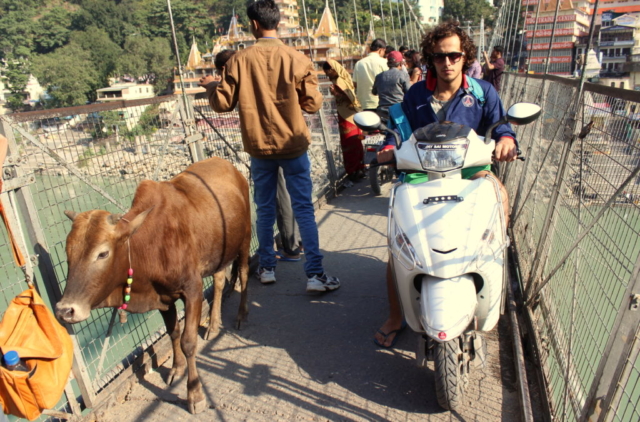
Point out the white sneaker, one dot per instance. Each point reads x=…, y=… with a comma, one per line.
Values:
x=266, y=275
x=322, y=283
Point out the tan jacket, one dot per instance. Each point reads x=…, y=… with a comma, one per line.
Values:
x=270, y=83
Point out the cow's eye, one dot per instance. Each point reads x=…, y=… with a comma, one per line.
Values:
x=103, y=255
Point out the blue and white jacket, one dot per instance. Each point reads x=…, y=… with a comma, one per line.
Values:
x=466, y=107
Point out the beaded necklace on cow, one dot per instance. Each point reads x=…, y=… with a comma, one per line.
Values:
x=127, y=289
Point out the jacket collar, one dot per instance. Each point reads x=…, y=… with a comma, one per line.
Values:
x=432, y=81
x=269, y=41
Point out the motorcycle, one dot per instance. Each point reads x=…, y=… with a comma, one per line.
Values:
x=378, y=175
x=447, y=244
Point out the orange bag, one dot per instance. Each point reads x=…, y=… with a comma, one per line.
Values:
x=29, y=328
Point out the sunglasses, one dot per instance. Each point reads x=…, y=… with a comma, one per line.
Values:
x=454, y=57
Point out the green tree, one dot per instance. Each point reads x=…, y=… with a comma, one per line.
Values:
x=69, y=74
x=52, y=30
x=105, y=54
x=16, y=28
x=147, y=59
x=117, y=18
x=468, y=10
x=16, y=76
x=190, y=20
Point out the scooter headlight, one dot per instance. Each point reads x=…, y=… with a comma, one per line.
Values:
x=442, y=157
x=402, y=249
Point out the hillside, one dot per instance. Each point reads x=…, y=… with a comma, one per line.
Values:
x=74, y=46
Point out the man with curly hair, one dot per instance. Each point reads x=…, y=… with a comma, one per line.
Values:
x=447, y=94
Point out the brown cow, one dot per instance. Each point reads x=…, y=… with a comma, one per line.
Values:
x=175, y=233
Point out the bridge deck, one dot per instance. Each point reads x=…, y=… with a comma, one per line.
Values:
x=312, y=357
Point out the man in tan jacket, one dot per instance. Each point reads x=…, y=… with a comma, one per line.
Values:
x=271, y=84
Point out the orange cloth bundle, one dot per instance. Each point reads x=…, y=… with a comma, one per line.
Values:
x=30, y=328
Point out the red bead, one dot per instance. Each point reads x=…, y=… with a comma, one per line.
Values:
x=130, y=272
x=124, y=306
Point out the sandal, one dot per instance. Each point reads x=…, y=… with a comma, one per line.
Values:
x=386, y=336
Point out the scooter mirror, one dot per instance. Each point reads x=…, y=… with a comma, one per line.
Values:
x=523, y=113
x=367, y=121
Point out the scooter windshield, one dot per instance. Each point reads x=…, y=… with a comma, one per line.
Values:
x=443, y=157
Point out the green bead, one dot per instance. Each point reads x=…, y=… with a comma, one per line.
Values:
x=126, y=298
x=129, y=280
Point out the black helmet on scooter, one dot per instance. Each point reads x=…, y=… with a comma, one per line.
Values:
x=441, y=132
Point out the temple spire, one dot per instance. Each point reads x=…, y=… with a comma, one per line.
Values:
x=327, y=25
x=194, y=56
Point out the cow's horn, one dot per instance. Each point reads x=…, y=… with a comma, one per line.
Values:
x=114, y=218
x=71, y=214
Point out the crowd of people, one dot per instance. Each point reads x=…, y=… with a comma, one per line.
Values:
x=431, y=84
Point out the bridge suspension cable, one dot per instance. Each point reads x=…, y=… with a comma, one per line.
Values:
x=371, y=24
x=384, y=27
x=306, y=27
x=355, y=16
x=338, y=28
x=400, y=24
x=393, y=25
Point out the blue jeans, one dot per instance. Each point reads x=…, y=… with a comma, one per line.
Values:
x=297, y=173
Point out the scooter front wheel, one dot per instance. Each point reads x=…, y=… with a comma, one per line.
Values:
x=451, y=374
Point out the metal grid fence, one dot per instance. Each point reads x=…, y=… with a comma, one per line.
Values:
x=93, y=157
x=576, y=228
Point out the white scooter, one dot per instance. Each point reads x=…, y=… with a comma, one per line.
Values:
x=447, y=244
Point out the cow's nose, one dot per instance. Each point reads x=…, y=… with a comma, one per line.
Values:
x=65, y=313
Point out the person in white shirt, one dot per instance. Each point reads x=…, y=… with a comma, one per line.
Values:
x=365, y=72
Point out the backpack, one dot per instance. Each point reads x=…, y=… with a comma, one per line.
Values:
x=476, y=90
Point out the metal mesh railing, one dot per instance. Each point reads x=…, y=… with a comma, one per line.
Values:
x=625, y=403
x=93, y=157
x=576, y=227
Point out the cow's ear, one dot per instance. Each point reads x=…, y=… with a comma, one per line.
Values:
x=71, y=214
x=138, y=220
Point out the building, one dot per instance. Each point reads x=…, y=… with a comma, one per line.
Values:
x=125, y=91
x=431, y=11
x=616, y=45
x=34, y=93
x=34, y=90
x=616, y=38
x=573, y=21
x=322, y=42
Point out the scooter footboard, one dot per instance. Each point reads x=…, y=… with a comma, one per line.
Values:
x=448, y=305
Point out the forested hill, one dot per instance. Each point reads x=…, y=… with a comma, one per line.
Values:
x=74, y=46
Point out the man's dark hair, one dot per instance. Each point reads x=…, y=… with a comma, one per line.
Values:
x=446, y=30
x=265, y=12
x=403, y=48
x=414, y=56
x=498, y=49
x=222, y=58
x=326, y=66
x=388, y=50
x=377, y=44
